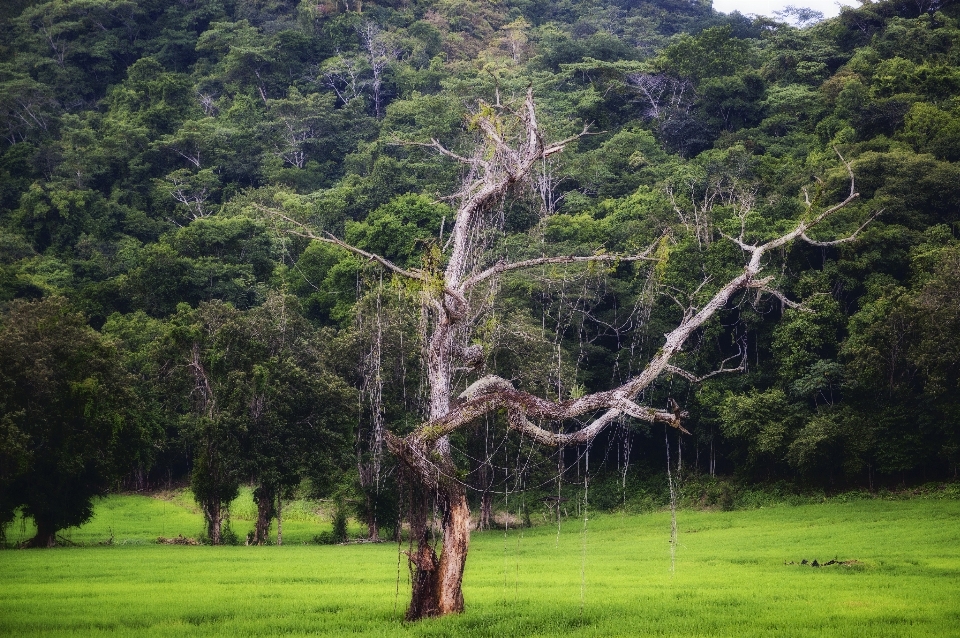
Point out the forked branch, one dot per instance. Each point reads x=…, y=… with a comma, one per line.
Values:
x=491, y=394
x=723, y=369
x=843, y=240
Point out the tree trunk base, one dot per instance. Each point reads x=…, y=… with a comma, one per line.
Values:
x=265, y=511
x=437, y=583
x=46, y=536
x=424, y=601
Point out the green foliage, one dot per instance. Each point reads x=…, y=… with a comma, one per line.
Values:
x=212, y=258
x=69, y=426
x=805, y=337
x=763, y=421
x=339, y=531
x=153, y=98
x=929, y=130
x=712, y=53
x=402, y=229
x=256, y=400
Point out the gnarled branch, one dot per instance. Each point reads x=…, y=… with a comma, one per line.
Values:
x=836, y=242
x=493, y=393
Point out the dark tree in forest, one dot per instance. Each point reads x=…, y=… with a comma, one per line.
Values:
x=68, y=423
x=258, y=402
x=299, y=414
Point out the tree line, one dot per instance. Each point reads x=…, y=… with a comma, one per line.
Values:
x=166, y=315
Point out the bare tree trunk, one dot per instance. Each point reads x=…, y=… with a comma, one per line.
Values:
x=437, y=582
x=453, y=558
x=486, y=510
x=279, y=521
x=373, y=529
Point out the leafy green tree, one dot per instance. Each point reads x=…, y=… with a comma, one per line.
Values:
x=243, y=57
x=306, y=139
x=152, y=97
x=400, y=229
x=226, y=258
x=764, y=423
x=16, y=174
x=56, y=213
x=732, y=102
x=901, y=363
x=201, y=142
x=298, y=411
x=137, y=336
x=714, y=52
x=258, y=400
x=78, y=46
x=70, y=423
x=137, y=137
x=928, y=129
x=28, y=107
x=197, y=356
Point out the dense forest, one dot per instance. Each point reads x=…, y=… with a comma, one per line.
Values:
x=163, y=321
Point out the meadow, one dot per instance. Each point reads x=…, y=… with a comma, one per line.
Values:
x=611, y=575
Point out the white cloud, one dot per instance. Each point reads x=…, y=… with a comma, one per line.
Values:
x=829, y=8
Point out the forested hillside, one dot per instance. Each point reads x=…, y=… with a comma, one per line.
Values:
x=161, y=322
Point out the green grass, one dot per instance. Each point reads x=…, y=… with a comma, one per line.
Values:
x=137, y=520
x=729, y=580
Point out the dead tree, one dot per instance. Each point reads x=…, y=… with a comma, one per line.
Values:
x=380, y=55
x=511, y=149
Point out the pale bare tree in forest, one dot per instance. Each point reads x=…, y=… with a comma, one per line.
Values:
x=346, y=74
x=380, y=54
x=511, y=149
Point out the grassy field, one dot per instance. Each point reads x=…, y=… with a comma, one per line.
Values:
x=615, y=579
x=138, y=520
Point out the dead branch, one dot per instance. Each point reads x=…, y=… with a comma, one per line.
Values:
x=692, y=378
x=503, y=267
x=802, y=227
x=443, y=150
x=328, y=238
x=493, y=393
x=844, y=240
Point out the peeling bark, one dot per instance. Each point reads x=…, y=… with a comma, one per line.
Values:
x=453, y=558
